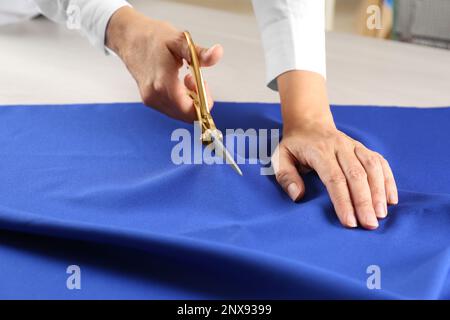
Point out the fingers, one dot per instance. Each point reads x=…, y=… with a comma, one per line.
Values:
x=372, y=165
x=180, y=101
x=207, y=56
x=360, y=183
x=189, y=82
x=335, y=181
x=389, y=182
x=170, y=96
x=177, y=97
x=357, y=180
x=287, y=174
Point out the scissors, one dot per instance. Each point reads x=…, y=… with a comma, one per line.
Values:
x=210, y=135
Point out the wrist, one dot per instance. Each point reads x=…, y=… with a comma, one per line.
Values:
x=304, y=101
x=296, y=118
x=121, y=30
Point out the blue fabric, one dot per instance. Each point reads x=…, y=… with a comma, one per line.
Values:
x=94, y=186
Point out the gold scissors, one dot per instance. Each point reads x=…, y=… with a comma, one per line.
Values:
x=210, y=135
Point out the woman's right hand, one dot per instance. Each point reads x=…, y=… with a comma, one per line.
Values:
x=153, y=52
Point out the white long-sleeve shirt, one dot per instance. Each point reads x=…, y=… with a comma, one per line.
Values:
x=89, y=16
x=292, y=31
x=293, y=36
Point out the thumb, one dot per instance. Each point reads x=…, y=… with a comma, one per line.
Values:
x=207, y=56
x=210, y=56
x=286, y=173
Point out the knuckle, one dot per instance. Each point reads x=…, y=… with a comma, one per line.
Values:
x=356, y=173
x=359, y=146
x=378, y=194
x=179, y=34
x=372, y=161
x=336, y=179
x=180, y=39
x=283, y=176
x=341, y=201
x=388, y=180
x=378, y=155
x=158, y=87
x=363, y=202
x=383, y=160
x=343, y=140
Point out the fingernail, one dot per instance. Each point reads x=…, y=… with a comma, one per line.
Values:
x=207, y=53
x=293, y=191
x=351, y=221
x=380, y=210
x=372, y=221
x=393, y=198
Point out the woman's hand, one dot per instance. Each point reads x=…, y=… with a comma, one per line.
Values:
x=153, y=51
x=359, y=181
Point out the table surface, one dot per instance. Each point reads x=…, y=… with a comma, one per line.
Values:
x=43, y=63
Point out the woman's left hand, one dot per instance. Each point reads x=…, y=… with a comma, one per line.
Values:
x=359, y=181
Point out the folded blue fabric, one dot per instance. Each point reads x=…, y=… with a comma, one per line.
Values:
x=95, y=186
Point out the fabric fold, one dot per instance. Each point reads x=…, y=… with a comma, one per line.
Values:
x=95, y=185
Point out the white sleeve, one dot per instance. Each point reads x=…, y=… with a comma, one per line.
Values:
x=91, y=17
x=293, y=36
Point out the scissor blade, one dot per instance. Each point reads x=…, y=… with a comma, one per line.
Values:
x=220, y=149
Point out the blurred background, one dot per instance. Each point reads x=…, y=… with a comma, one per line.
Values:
x=424, y=22
x=419, y=21
x=379, y=52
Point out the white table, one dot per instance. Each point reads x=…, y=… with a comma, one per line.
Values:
x=41, y=62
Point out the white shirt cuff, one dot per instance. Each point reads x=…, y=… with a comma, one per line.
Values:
x=90, y=17
x=293, y=36
x=98, y=13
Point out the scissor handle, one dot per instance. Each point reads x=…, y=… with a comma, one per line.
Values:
x=210, y=136
x=195, y=66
